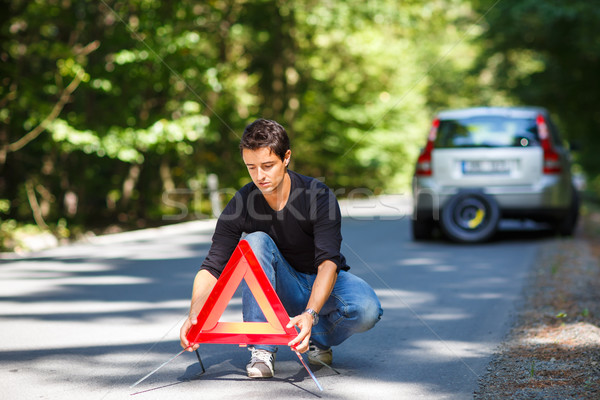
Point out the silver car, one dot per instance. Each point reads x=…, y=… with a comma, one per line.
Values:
x=483, y=164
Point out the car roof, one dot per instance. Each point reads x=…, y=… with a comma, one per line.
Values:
x=513, y=112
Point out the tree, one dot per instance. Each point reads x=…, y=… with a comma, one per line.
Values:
x=548, y=54
x=108, y=106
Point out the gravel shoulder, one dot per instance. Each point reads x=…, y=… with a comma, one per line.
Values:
x=553, y=351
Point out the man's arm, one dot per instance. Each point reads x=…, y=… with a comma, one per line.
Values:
x=203, y=285
x=322, y=287
x=225, y=239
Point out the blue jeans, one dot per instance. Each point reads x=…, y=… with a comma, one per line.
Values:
x=352, y=306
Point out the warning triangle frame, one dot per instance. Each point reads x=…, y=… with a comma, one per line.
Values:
x=243, y=264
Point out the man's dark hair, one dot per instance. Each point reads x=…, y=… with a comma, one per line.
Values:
x=265, y=133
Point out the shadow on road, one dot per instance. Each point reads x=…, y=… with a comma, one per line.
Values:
x=102, y=316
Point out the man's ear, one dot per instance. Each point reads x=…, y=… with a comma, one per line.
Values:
x=287, y=157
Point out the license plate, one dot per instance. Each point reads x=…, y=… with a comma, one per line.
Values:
x=491, y=167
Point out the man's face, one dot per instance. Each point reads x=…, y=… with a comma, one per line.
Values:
x=266, y=169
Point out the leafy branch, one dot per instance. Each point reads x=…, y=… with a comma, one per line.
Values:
x=56, y=110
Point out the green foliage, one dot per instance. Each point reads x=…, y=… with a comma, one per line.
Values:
x=105, y=107
x=15, y=236
x=585, y=313
x=547, y=53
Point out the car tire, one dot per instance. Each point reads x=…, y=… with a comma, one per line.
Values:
x=470, y=217
x=567, y=225
x=422, y=229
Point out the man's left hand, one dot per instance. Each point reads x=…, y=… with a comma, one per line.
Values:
x=303, y=321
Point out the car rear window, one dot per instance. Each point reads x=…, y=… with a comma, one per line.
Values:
x=488, y=131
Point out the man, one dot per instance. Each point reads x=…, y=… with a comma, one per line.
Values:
x=293, y=226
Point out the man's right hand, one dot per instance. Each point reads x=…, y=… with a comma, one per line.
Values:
x=185, y=328
x=203, y=285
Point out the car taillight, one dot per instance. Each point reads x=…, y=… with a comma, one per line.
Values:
x=424, y=160
x=552, y=163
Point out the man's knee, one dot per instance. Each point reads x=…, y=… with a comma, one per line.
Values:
x=368, y=314
x=259, y=241
x=362, y=305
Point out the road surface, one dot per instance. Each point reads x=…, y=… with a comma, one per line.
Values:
x=88, y=320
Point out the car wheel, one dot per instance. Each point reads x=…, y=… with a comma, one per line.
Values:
x=422, y=229
x=470, y=217
x=566, y=226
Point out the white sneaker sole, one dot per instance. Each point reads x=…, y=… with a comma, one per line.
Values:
x=255, y=373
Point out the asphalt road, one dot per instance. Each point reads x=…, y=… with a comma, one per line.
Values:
x=88, y=320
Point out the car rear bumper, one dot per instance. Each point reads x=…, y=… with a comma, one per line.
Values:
x=546, y=198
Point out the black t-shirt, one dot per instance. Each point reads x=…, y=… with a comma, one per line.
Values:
x=306, y=230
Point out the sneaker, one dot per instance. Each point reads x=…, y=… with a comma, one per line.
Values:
x=261, y=365
x=317, y=356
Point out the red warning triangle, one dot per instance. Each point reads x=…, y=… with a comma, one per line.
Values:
x=242, y=265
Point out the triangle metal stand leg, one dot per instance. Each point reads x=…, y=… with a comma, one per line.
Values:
x=200, y=361
x=309, y=371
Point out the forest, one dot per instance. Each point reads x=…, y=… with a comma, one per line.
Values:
x=121, y=113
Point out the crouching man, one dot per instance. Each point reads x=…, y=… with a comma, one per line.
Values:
x=293, y=226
